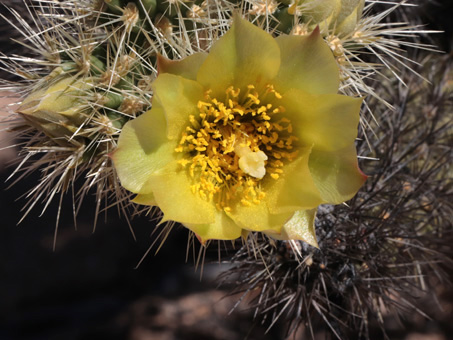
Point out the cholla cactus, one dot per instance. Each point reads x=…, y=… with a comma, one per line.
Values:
x=390, y=247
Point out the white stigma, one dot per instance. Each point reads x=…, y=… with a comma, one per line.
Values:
x=252, y=163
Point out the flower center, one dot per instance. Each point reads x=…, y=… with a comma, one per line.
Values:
x=232, y=145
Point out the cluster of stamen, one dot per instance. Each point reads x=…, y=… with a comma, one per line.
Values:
x=232, y=144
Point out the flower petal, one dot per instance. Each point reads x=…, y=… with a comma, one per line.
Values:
x=187, y=67
x=307, y=64
x=145, y=199
x=178, y=96
x=244, y=55
x=328, y=122
x=257, y=217
x=143, y=148
x=336, y=173
x=295, y=188
x=300, y=227
x=172, y=190
x=223, y=228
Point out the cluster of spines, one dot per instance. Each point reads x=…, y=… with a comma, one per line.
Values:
x=110, y=45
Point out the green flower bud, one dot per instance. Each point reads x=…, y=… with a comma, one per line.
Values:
x=57, y=110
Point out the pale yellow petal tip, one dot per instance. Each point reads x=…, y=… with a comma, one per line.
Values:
x=311, y=240
x=186, y=67
x=200, y=232
x=300, y=227
x=201, y=239
x=145, y=199
x=205, y=239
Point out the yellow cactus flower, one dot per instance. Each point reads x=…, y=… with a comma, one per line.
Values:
x=250, y=137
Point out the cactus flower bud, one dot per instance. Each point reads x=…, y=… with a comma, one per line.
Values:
x=340, y=16
x=57, y=109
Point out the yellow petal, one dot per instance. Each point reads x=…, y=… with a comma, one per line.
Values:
x=300, y=227
x=257, y=217
x=143, y=148
x=223, y=228
x=244, y=55
x=178, y=96
x=307, y=64
x=328, y=122
x=172, y=191
x=187, y=67
x=145, y=199
x=336, y=173
x=294, y=189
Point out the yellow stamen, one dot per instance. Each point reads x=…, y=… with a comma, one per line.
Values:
x=231, y=146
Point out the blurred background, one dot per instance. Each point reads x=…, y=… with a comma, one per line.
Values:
x=88, y=287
